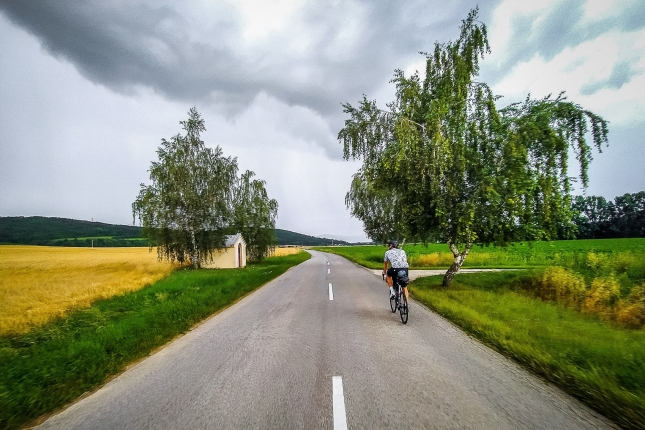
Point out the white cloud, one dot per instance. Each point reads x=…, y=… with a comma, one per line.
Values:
x=576, y=68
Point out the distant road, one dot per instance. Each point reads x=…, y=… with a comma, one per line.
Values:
x=288, y=357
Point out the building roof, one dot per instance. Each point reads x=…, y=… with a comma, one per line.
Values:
x=231, y=239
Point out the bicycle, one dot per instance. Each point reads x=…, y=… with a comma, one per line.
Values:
x=399, y=301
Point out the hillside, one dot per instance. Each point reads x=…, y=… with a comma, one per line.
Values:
x=38, y=230
x=286, y=237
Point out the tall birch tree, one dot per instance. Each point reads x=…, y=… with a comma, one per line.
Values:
x=188, y=208
x=254, y=215
x=458, y=169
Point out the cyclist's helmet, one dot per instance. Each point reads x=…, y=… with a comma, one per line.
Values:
x=393, y=242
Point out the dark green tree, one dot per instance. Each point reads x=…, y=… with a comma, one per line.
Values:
x=459, y=170
x=592, y=217
x=597, y=218
x=187, y=209
x=254, y=216
x=629, y=215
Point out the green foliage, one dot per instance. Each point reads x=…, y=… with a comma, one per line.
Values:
x=602, y=365
x=187, y=208
x=254, y=216
x=52, y=365
x=444, y=164
x=595, y=217
x=196, y=199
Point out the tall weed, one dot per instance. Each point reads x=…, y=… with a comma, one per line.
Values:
x=603, y=297
x=631, y=312
x=563, y=286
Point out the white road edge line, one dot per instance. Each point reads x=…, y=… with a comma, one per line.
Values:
x=331, y=293
x=340, y=418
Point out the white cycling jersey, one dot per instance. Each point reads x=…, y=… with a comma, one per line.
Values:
x=397, y=258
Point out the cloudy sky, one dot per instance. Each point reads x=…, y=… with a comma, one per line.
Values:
x=88, y=89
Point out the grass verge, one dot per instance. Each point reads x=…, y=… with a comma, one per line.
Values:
x=600, y=364
x=566, y=253
x=52, y=365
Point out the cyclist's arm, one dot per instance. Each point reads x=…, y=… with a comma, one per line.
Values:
x=385, y=263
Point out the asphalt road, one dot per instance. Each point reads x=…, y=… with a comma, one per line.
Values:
x=278, y=359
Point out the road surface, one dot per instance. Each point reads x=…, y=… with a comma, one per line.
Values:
x=319, y=348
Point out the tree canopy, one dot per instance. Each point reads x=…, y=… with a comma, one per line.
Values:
x=254, y=215
x=443, y=163
x=195, y=199
x=597, y=218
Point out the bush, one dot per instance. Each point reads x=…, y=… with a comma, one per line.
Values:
x=623, y=261
x=429, y=260
x=562, y=286
x=603, y=297
x=597, y=262
x=631, y=312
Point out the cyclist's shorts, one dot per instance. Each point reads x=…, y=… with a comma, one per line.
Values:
x=392, y=273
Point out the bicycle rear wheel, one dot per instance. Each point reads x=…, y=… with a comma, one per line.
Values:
x=403, y=309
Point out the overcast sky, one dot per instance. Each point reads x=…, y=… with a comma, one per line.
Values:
x=88, y=90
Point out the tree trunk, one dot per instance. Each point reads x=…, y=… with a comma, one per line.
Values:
x=459, y=258
x=194, y=256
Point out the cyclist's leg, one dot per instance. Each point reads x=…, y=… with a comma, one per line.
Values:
x=389, y=277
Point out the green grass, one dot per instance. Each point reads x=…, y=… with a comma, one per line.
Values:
x=52, y=365
x=602, y=365
x=567, y=253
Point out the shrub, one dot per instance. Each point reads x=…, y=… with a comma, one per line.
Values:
x=597, y=262
x=562, y=286
x=603, y=297
x=434, y=259
x=623, y=261
x=631, y=312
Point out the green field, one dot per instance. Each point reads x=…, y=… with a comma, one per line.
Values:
x=52, y=365
x=566, y=253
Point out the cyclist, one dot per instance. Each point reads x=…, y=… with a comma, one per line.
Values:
x=398, y=260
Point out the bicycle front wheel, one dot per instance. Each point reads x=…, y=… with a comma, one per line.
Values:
x=403, y=309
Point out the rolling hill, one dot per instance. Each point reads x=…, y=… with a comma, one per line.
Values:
x=37, y=230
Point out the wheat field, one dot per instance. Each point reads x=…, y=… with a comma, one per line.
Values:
x=38, y=283
x=282, y=251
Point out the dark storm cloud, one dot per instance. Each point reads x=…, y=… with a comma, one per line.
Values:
x=124, y=45
x=563, y=27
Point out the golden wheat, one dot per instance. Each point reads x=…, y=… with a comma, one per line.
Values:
x=38, y=283
x=279, y=252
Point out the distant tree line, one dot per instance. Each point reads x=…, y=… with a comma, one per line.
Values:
x=597, y=218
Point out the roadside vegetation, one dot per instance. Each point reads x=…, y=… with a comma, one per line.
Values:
x=566, y=253
x=53, y=364
x=589, y=356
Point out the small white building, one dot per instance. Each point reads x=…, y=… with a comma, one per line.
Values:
x=232, y=256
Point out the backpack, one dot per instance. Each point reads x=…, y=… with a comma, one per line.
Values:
x=402, y=277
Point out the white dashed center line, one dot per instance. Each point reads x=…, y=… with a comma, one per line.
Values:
x=340, y=419
x=328, y=271
x=331, y=293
